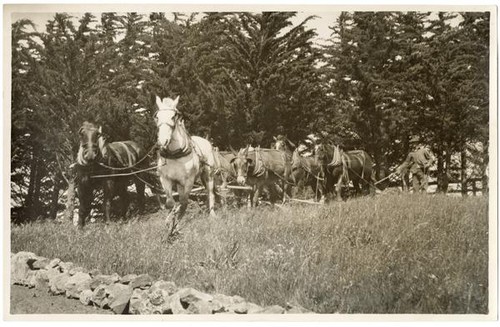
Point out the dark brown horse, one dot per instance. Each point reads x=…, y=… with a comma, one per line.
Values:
x=97, y=157
x=307, y=171
x=261, y=168
x=224, y=172
x=341, y=167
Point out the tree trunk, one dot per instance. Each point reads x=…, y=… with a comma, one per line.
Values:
x=37, y=202
x=485, y=173
x=31, y=186
x=446, y=174
x=440, y=170
x=463, y=171
x=55, y=198
x=33, y=196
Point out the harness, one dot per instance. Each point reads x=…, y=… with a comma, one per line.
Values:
x=341, y=159
x=260, y=167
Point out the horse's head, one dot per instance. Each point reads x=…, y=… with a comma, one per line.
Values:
x=91, y=142
x=282, y=143
x=166, y=119
x=321, y=153
x=241, y=164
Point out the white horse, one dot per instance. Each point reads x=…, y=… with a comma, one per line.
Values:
x=182, y=159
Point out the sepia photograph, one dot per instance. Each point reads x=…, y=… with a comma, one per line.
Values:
x=250, y=162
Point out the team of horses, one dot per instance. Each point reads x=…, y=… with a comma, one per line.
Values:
x=183, y=160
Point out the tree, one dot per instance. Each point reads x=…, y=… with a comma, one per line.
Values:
x=273, y=64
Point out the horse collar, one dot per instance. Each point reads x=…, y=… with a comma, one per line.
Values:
x=179, y=153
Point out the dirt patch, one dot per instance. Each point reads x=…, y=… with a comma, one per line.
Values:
x=30, y=301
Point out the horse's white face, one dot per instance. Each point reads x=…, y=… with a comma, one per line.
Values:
x=165, y=119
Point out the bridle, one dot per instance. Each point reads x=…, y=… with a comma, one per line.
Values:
x=175, y=118
x=85, y=145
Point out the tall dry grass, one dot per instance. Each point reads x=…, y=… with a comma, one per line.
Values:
x=388, y=254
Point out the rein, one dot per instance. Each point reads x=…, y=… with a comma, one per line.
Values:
x=128, y=174
x=126, y=168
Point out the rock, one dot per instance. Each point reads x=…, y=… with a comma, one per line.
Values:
x=174, y=304
x=156, y=300
x=295, y=308
x=99, y=296
x=119, y=297
x=19, y=267
x=40, y=263
x=66, y=266
x=39, y=280
x=75, y=270
x=104, y=280
x=139, y=303
x=142, y=302
x=190, y=295
x=273, y=309
x=53, y=272
x=196, y=302
x=58, y=282
x=53, y=263
x=245, y=308
x=141, y=281
x=76, y=284
x=166, y=288
x=86, y=297
x=159, y=293
x=127, y=278
x=224, y=302
x=94, y=272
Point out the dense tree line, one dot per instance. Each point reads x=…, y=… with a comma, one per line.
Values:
x=244, y=78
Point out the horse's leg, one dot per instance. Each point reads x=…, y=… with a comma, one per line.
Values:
x=372, y=187
x=85, y=198
x=254, y=201
x=167, y=187
x=273, y=192
x=140, y=187
x=338, y=189
x=121, y=188
x=208, y=181
x=184, y=192
x=108, y=192
x=357, y=189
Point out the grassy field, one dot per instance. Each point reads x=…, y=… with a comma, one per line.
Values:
x=388, y=254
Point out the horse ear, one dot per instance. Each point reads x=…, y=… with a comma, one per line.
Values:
x=100, y=129
x=158, y=101
x=233, y=151
x=176, y=101
x=275, y=138
x=245, y=152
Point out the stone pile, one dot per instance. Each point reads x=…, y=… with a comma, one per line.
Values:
x=130, y=294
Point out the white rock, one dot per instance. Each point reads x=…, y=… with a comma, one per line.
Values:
x=76, y=284
x=118, y=297
x=19, y=267
x=86, y=297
